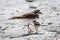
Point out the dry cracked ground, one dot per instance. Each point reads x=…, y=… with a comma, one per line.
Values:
x=13, y=29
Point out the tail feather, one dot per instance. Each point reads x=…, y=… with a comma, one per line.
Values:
x=16, y=18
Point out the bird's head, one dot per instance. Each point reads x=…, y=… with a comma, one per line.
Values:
x=37, y=12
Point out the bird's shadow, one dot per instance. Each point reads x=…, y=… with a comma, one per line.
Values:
x=24, y=35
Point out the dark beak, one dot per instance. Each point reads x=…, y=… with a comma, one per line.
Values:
x=39, y=13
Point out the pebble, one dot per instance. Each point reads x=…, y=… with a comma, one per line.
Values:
x=17, y=10
x=32, y=7
x=49, y=23
x=29, y=0
x=0, y=27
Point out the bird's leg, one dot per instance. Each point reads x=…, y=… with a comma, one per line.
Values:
x=29, y=29
x=36, y=28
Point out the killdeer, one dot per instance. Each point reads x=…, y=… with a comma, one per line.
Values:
x=29, y=15
x=36, y=24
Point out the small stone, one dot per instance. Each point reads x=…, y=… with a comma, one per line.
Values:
x=29, y=0
x=12, y=13
x=57, y=14
x=17, y=10
x=53, y=8
x=3, y=9
x=3, y=32
x=33, y=7
x=49, y=23
x=0, y=27
x=58, y=32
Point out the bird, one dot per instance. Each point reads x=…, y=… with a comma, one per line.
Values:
x=30, y=15
x=36, y=24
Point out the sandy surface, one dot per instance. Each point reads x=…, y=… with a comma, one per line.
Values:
x=49, y=20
